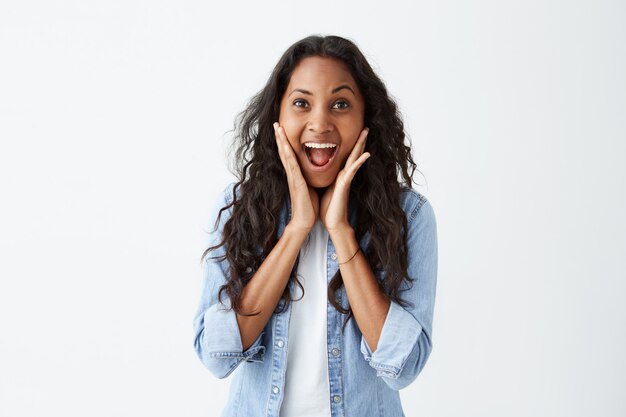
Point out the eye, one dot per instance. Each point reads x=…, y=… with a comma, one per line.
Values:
x=296, y=103
x=343, y=104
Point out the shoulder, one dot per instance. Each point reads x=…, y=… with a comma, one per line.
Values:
x=220, y=200
x=229, y=190
x=415, y=205
x=225, y=196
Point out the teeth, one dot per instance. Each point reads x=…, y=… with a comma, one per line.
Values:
x=319, y=145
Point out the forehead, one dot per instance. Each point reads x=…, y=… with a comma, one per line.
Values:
x=320, y=72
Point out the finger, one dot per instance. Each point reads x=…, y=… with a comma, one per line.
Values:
x=357, y=164
x=280, y=146
x=284, y=148
x=367, y=135
x=291, y=160
x=287, y=150
x=357, y=150
x=359, y=146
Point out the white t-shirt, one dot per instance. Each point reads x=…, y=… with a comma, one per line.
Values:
x=307, y=390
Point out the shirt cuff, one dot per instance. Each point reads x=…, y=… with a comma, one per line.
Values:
x=397, y=339
x=225, y=340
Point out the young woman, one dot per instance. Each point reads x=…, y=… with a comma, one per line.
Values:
x=321, y=289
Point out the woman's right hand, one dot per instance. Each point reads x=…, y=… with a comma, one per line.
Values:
x=304, y=198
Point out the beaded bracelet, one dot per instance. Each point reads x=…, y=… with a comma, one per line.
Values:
x=341, y=263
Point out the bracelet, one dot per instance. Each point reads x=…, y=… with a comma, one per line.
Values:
x=341, y=263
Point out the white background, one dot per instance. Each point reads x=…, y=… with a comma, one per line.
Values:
x=113, y=126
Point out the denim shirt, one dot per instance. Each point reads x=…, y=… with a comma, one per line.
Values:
x=362, y=383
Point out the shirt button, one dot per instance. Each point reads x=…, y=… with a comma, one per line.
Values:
x=275, y=390
x=333, y=256
x=336, y=398
x=280, y=343
x=335, y=352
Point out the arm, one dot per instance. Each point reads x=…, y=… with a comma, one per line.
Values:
x=223, y=339
x=265, y=288
x=396, y=341
x=368, y=303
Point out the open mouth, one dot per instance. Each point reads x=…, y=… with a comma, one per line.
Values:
x=320, y=156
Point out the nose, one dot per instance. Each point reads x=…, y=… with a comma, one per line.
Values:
x=320, y=121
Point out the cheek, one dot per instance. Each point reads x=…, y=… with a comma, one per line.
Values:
x=348, y=144
x=293, y=135
x=351, y=130
x=351, y=140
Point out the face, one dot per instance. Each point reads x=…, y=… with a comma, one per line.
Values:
x=322, y=106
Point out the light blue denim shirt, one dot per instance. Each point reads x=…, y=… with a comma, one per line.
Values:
x=362, y=383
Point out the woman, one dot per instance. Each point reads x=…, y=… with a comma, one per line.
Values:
x=322, y=285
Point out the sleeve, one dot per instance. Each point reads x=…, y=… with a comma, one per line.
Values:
x=217, y=340
x=406, y=339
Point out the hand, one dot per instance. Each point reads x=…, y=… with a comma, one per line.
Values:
x=304, y=198
x=334, y=203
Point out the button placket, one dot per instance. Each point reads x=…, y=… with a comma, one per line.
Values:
x=280, y=326
x=334, y=340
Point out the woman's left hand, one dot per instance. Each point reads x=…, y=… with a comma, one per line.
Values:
x=334, y=202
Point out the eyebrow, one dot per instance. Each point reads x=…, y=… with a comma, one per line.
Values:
x=341, y=87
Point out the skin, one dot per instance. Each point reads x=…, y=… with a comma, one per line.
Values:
x=314, y=194
x=333, y=117
x=310, y=109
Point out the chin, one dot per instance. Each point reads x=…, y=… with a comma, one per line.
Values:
x=319, y=181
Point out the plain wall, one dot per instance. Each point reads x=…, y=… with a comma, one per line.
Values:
x=113, y=126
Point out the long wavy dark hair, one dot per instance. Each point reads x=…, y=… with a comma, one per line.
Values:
x=251, y=231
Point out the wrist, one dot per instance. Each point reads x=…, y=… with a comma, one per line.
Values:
x=341, y=231
x=297, y=230
x=345, y=243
